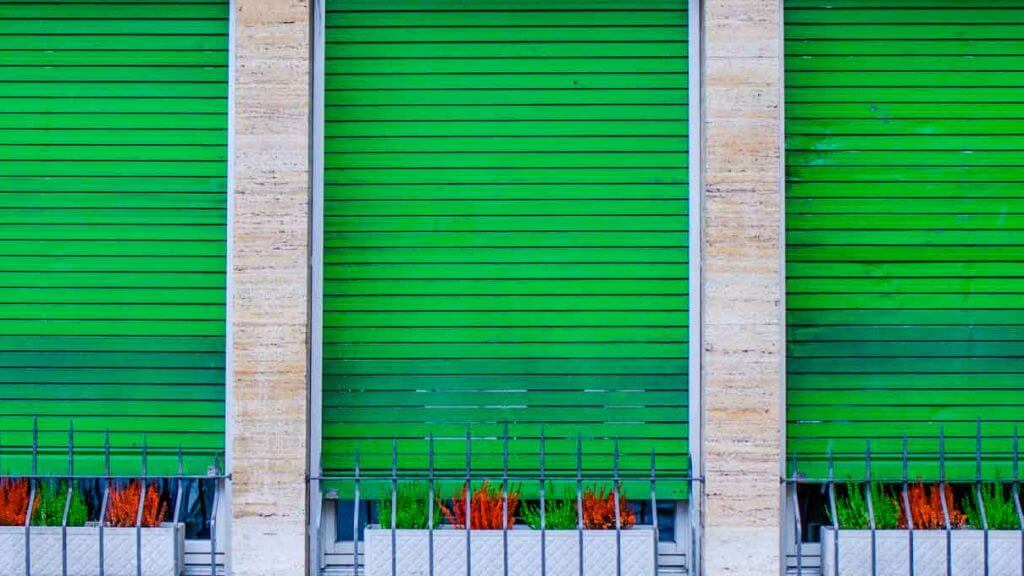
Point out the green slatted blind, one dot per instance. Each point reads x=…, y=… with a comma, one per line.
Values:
x=113, y=131
x=905, y=217
x=505, y=231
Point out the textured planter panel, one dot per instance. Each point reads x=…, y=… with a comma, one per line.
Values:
x=561, y=551
x=893, y=552
x=83, y=551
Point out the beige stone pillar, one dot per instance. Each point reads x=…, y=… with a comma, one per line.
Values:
x=270, y=288
x=743, y=282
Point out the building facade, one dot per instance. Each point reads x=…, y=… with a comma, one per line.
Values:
x=722, y=269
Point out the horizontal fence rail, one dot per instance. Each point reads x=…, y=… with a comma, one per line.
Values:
x=111, y=480
x=578, y=487
x=900, y=492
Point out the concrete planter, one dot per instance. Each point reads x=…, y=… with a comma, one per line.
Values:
x=158, y=551
x=892, y=550
x=561, y=550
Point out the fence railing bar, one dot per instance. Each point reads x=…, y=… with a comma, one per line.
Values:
x=906, y=503
x=871, y=508
x=67, y=501
x=798, y=532
x=504, y=502
x=355, y=516
x=618, y=516
x=139, y=511
x=394, y=507
x=543, y=505
x=213, y=520
x=942, y=501
x=654, y=510
x=579, y=500
x=106, y=497
x=980, y=498
x=1015, y=491
x=430, y=505
x=176, y=513
x=834, y=515
x=469, y=498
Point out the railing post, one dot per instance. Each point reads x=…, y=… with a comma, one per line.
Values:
x=871, y=508
x=139, y=511
x=430, y=504
x=106, y=496
x=504, y=504
x=469, y=498
x=213, y=519
x=942, y=500
x=618, y=518
x=543, y=505
x=67, y=500
x=654, y=511
x=31, y=496
x=906, y=504
x=355, y=515
x=980, y=497
x=833, y=513
x=579, y=500
x=394, y=507
x=1016, y=493
x=177, y=508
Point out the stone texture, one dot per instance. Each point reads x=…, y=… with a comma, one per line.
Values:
x=270, y=275
x=743, y=281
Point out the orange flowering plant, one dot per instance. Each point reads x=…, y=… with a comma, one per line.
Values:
x=123, y=506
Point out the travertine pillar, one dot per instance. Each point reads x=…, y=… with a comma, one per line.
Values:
x=743, y=286
x=271, y=231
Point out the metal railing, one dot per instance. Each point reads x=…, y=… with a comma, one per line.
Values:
x=579, y=478
x=108, y=480
x=903, y=483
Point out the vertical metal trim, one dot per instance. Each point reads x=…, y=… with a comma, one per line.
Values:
x=695, y=286
x=316, y=265
x=229, y=284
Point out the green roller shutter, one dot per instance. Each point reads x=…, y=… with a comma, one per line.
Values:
x=905, y=230
x=113, y=131
x=505, y=231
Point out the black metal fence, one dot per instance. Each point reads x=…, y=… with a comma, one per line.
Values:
x=541, y=478
x=108, y=480
x=903, y=485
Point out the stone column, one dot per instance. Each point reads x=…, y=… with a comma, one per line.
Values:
x=743, y=283
x=270, y=308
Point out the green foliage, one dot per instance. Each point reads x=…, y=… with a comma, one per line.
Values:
x=559, y=510
x=412, y=507
x=50, y=511
x=1000, y=510
x=852, y=508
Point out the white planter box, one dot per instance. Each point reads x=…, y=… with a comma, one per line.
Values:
x=84, y=554
x=561, y=547
x=893, y=552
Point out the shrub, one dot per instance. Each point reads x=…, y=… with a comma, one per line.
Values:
x=14, y=501
x=852, y=508
x=412, y=507
x=124, y=505
x=559, y=510
x=926, y=508
x=485, y=507
x=1000, y=510
x=50, y=509
x=599, y=510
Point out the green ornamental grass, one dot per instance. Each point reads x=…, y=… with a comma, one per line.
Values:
x=412, y=510
x=52, y=498
x=1000, y=510
x=852, y=508
x=559, y=510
